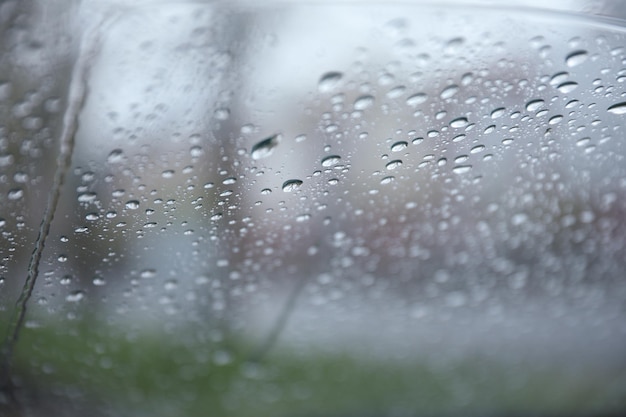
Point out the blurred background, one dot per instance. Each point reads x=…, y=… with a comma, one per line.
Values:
x=321, y=208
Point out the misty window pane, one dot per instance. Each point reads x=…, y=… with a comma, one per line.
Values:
x=312, y=209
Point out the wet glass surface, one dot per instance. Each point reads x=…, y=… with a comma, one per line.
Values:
x=311, y=209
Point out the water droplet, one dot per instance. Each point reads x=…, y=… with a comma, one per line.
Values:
x=555, y=119
x=99, y=282
x=15, y=194
x=363, y=102
x=576, y=58
x=196, y=151
x=331, y=160
x=87, y=197
x=559, y=78
x=265, y=147
x=148, y=273
x=169, y=173
x=567, y=87
x=449, y=91
x=499, y=112
x=459, y=138
x=116, y=156
x=462, y=169
x=290, y=186
x=534, y=105
x=329, y=81
x=75, y=296
x=398, y=146
x=396, y=92
x=132, y=204
x=222, y=113
x=387, y=180
x=393, y=164
x=619, y=108
x=477, y=149
x=416, y=99
x=459, y=122
x=303, y=217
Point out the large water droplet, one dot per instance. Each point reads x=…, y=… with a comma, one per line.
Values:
x=393, y=164
x=329, y=81
x=290, y=186
x=449, y=91
x=116, y=156
x=576, y=58
x=462, y=169
x=416, y=99
x=398, y=146
x=132, y=204
x=363, y=102
x=265, y=147
x=619, y=108
x=567, y=87
x=534, y=105
x=331, y=160
x=458, y=122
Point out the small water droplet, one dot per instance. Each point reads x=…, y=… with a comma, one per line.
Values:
x=449, y=91
x=477, y=149
x=363, y=102
x=290, y=186
x=396, y=92
x=15, y=194
x=499, y=112
x=75, y=296
x=168, y=173
x=398, y=146
x=462, y=169
x=619, y=108
x=264, y=148
x=459, y=122
x=148, y=273
x=416, y=99
x=388, y=180
x=303, y=217
x=116, y=156
x=330, y=160
x=576, y=58
x=559, y=78
x=132, y=204
x=87, y=197
x=567, y=87
x=329, y=81
x=534, y=105
x=393, y=164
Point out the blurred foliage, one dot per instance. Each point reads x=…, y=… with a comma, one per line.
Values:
x=140, y=373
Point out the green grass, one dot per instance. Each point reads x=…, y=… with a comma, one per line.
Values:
x=167, y=375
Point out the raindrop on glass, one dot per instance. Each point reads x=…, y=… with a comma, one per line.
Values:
x=116, y=156
x=398, y=146
x=363, y=102
x=393, y=164
x=619, y=108
x=329, y=81
x=416, y=99
x=534, y=105
x=265, y=147
x=331, y=160
x=576, y=58
x=449, y=91
x=290, y=186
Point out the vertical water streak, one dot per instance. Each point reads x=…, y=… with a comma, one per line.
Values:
x=88, y=51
